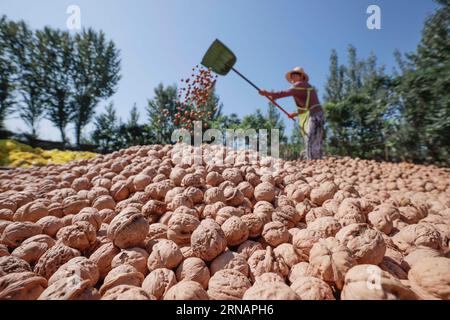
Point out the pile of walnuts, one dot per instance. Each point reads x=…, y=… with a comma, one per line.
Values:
x=149, y=223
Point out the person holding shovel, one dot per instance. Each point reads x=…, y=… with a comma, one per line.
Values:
x=310, y=112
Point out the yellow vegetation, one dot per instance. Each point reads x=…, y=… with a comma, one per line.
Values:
x=15, y=154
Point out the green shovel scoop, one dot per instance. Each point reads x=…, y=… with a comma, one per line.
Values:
x=221, y=60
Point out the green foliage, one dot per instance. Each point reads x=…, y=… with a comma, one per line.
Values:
x=111, y=134
x=132, y=133
x=7, y=71
x=56, y=56
x=24, y=54
x=106, y=128
x=422, y=90
x=96, y=67
x=161, y=123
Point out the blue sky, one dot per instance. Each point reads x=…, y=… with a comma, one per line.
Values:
x=161, y=40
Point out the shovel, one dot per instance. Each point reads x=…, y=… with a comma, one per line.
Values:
x=221, y=60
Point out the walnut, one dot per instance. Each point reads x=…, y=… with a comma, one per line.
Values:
x=193, y=269
x=192, y=180
x=247, y=248
x=233, y=196
x=73, y=204
x=154, y=207
x=16, y=232
x=416, y=255
x=369, y=282
x=316, y=213
x=103, y=256
x=81, y=235
x=180, y=228
x=270, y=291
x=302, y=269
x=246, y=189
x=158, y=282
x=224, y=213
x=176, y=175
x=165, y=254
x=156, y=231
x=127, y=292
x=53, y=258
x=275, y=233
x=331, y=261
x=287, y=215
x=6, y=214
x=195, y=194
x=104, y=202
x=186, y=290
x=264, y=211
x=208, y=240
x=366, y=244
x=90, y=215
x=230, y=260
x=81, y=183
x=265, y=192
x=136, y=257
x=213, y=195
x=430, y=278
x=254, y=225
x=123, y=274
x=80, y=266
x=32, y=211
x=21, y=286
x=33, y=248
x=350, y=212
x=141, y=181
x=180, y=200
x=120, y=191
x=287, y=252
x=228, y=284
x=128, y=229
x=235, y=230
x=233, y=175
x=72, y=288
x=50, y=225
x=263, y=261
x=214, y=178
x=416, y=235
x=310, y=288
x=3, y=250
x=411, y=214
x=13, y=264
x=320, y=194
x=381, y=221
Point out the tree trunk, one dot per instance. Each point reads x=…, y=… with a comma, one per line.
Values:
x=78, y=133
x=63, y=135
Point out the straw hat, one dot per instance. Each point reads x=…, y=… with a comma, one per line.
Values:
x=299, y=71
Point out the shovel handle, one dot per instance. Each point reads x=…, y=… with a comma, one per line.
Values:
x=257, y=88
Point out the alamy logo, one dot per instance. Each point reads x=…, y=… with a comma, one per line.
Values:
x=374, y=20
x=73, y=22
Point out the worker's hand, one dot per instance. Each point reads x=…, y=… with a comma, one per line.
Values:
x=264, y=93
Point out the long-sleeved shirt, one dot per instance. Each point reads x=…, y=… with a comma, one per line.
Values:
x=300, y=96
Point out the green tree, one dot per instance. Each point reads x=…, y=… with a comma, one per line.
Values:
x=161, y=123
x=131, y=133
x=266, y=121
x=29, y=74
x=7, y=71
x=96, y=67
x=423, y=95
x=356, y=119
x=56, y=52
x=335, y=84
x=106, y=130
